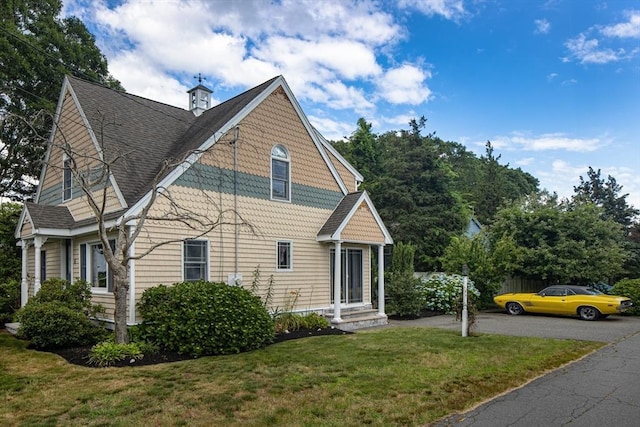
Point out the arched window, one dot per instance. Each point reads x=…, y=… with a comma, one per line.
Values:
x=280, y=173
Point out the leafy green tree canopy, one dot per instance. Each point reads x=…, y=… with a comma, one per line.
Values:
x=10, y=259
x=560, y=242
x=37, y=48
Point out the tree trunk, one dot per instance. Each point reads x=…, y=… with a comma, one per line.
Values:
x=120, y=292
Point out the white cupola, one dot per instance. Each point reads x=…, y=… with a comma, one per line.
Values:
x=199, y=97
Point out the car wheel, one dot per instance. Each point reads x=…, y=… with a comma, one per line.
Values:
x=514, y=308
x=588, y=313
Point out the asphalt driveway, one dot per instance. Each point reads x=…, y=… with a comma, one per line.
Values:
x=601, y=389
x=604, y=330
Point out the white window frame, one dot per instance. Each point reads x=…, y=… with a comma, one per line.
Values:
x=289, y=244
x=287, y=160
x=88, y=268
x=67, y=170
x=206, y=256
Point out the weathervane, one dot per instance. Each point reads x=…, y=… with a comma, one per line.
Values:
x=200, y=78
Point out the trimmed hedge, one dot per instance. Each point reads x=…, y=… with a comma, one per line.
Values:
x=58, y=316
x=204, y=318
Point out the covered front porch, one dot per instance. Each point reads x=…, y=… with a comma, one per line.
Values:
x=352, y=225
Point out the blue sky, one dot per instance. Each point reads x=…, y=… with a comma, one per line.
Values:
x=554, y=85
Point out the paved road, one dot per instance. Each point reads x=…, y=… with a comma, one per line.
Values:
x=602, y=389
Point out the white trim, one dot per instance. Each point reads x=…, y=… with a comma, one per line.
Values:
x=284, y=270
x=132, y=280
x=89, y=268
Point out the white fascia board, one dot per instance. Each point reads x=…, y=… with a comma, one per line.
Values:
x=365, y=197
x=23, y=215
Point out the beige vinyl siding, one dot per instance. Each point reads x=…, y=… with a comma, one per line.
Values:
x=273, y=122
x=298, y=224
x=53, y=258
x=363, y=227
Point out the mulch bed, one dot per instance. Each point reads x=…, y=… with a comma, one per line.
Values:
x=79, y=355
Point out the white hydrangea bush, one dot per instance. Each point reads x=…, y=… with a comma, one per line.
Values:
x=440, y=291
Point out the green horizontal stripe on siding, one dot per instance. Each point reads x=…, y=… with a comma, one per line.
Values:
x=212, y=178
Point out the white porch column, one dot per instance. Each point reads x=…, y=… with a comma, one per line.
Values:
x=24, y=284
x=337, y=282
x=381, y=312
x=37, y=243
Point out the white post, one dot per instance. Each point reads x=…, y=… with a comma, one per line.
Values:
x=37, y=244
x=24, y=284
x=381, y=312
x=337, y=282
x=465, y=313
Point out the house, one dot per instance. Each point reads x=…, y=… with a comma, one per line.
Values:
x=281, y=199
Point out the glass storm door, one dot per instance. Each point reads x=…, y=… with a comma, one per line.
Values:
x=351, y=269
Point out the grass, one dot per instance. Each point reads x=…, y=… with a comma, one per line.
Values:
x=386, y=377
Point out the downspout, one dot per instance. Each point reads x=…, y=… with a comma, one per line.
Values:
x=235, y=198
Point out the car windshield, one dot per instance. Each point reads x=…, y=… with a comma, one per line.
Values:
x=592, y=291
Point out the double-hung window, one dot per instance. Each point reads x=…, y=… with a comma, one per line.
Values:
x=67, y=180
x=94, y=268
x=284, y=255
x=195, y=260
x=280, y=174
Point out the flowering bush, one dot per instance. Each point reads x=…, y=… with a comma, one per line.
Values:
x=441, y=292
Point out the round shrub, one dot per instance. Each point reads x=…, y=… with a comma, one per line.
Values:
x=629, y=288
x=204, y=318
x=442, y=292
x=58, y=316
x=50, y=325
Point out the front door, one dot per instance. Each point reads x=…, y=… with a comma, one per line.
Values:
x=351, y=267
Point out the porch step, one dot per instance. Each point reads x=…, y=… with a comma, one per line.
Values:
x=12, y=328
x=357, y=319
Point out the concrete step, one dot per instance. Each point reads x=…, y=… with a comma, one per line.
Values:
x=353, y=319
x=12, y=328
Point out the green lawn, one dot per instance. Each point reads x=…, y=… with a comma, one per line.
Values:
x=386, y=377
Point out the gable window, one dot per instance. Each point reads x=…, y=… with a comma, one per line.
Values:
x=195, y=257
x=94, y=268
x=280, y=174
x=284, y=252
x=66, y=180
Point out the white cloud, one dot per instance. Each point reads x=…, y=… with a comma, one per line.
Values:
x=629, y=29
x=450, y=9
x=542, y=26
x=547, y=142
x=561, y=178
x=405, y=85
x=332, y=130
x=525, y=161
x=551, y=76
x=588, y=51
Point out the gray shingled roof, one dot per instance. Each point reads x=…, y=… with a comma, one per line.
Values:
x=142, y=133
x=339, y=214
x=48, y=216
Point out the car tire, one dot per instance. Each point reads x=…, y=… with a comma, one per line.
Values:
x=588, y=313
x=514, y=308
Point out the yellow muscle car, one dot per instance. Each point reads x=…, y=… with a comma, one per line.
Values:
x=581, y=301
